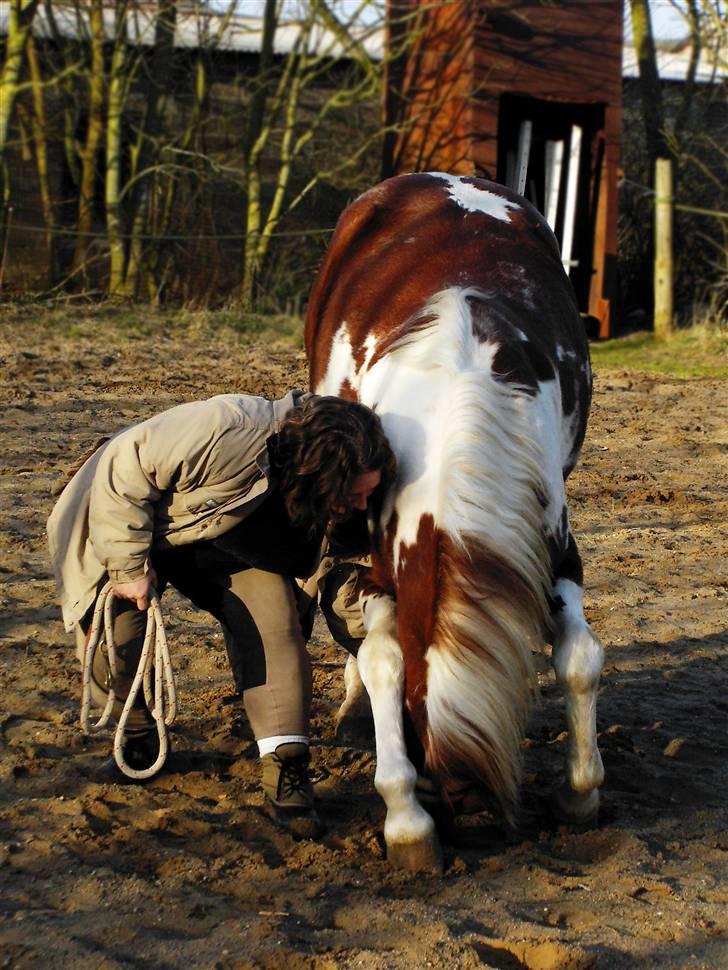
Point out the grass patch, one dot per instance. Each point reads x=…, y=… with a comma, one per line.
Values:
x=697, y=351
x=77, y=319
x=253, y=325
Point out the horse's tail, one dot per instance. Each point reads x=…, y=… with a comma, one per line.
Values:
x=471, y=589
x=492, y=570
x=480, y=674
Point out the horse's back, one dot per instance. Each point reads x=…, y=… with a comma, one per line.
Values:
x=411, y=239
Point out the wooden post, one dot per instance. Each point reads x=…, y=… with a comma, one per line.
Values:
x=663, y=249
x=4, y=259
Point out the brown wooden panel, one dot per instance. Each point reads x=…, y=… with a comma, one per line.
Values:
x=476, y=68
x=570, y=50
x=431, y=107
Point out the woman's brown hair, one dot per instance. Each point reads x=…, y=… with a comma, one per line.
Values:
x=323, y=445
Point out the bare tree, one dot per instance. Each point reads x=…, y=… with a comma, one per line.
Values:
x=155, y=131
x=685, y=122
x=282, y=126
x=19, y=25
x=96, y=80
x=652, y=108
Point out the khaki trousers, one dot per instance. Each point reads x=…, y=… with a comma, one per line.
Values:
x=261, y=614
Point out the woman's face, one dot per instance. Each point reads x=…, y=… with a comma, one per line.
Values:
x=359, y=493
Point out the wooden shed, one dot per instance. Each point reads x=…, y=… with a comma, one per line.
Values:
x=525, y=92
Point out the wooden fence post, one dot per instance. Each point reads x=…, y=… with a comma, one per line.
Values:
x=663, y=249
x=6, y=241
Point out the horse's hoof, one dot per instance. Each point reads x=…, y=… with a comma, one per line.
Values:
x=423, y=856
x=576, y=808
x=355, y=731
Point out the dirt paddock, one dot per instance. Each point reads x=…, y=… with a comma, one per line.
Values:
x=187, y=871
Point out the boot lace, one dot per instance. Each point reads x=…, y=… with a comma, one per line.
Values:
x=294, y=778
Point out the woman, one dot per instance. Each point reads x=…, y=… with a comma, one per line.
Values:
x=227, y=500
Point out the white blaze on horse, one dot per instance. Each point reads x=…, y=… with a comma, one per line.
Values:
x=442, y=303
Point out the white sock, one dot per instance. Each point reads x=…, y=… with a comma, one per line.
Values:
x=268, y=745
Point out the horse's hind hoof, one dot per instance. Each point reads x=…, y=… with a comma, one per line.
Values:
x=355, y=731
x=575, y=808
x=423, y=856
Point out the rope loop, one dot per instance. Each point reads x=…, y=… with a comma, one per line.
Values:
x=161, y=701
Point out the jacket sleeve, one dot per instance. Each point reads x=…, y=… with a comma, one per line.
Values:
x=175, y=450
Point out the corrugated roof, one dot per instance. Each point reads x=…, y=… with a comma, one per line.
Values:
x=197, y=27
x=673, y=63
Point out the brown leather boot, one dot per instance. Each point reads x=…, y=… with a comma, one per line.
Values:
x=288, y=792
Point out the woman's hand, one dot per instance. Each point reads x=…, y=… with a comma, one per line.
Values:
x=139, y=591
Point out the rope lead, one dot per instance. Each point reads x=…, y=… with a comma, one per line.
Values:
x=162, y=702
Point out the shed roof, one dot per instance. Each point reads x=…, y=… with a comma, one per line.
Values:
x=199, y=26
x=673, y=61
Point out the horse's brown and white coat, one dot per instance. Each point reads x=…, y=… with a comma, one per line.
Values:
x=442, y=303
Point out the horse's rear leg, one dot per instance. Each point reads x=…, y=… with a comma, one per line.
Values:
x=578, y=657
x=409, y=832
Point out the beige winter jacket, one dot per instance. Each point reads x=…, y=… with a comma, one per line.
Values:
x=189, y=473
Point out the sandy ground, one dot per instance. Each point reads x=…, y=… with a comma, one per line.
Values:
x=186, y=871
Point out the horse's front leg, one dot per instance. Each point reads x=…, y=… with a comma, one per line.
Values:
x=409, y=832
x=578, y=657
x=354, y=719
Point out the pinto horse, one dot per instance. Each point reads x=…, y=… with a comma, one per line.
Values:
x=442, y=303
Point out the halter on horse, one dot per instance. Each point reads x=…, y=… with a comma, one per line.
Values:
x=442, y=303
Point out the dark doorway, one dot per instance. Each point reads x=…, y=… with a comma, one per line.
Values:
x=553, y=128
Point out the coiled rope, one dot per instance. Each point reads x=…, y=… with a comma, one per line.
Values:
x=162, y=702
